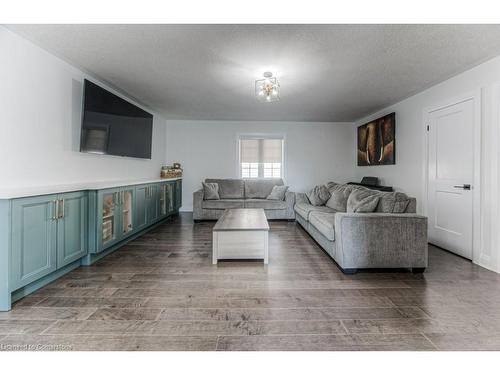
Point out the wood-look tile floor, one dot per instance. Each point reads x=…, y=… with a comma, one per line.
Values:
x=161, y=292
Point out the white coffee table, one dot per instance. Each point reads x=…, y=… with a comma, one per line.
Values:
x=241, y=233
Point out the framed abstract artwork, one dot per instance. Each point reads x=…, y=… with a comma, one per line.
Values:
x=377, y=142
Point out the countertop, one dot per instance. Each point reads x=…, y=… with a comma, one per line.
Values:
x=24, y=191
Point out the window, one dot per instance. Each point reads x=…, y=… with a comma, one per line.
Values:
x=261, y=157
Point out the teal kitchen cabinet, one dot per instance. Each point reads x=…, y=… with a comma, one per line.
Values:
x=166, y=199
x=108, y=218
x=153, y=203
x=115, y=216
x=72, y=227
x=48, y=232
x=141, y=207
x=127, y=209
x=178, y=195
x=34, y=239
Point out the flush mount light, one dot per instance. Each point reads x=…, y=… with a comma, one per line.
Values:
x=268, y=89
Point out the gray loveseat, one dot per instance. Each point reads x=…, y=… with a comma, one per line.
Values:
x=392, y=236
x=242, y=193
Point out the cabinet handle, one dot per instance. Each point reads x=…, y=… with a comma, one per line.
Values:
x=54, y=209
x=62, y=211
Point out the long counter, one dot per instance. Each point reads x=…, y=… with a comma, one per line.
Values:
x=32, y=191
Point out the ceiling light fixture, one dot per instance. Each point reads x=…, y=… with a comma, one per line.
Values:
x=268, y=89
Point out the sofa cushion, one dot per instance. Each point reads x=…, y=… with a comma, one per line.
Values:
x=339, y=195
x=278, y=193
x=223, y=204
x=324, y=222
x=210, y=190
x=362, y=200
x=260, y=187
x=304, y=209
x=330, y=185
x=229, y=188
x=318, y=195
x=266, y=204
x=395, y=202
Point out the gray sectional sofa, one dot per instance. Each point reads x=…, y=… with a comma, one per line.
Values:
x=242, y=193
x=392, y=236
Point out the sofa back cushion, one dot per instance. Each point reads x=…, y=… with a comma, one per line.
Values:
x=260, y=188
x=362, y=200
x=339, y=195
x=229, y=188
x=395, y=202
x=318, y=195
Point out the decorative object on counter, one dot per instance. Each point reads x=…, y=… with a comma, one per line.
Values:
x=372, y=183
x=171, y=171
x=376, y=141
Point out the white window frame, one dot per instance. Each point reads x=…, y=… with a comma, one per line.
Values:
x=242, y=136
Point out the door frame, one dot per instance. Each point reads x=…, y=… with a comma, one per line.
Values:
x=474, y=95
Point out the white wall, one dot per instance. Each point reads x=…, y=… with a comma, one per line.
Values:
x=40, y=116
x=315, y=152
x=408, y=173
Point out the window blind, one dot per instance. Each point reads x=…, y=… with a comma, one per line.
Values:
x=250, y=150
x=261, y=150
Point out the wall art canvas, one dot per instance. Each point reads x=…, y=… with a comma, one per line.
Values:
x=376, y=141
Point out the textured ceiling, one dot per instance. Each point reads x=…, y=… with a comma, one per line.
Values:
x=327, y=72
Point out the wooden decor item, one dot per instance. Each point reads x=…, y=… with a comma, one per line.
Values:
x=171, y=171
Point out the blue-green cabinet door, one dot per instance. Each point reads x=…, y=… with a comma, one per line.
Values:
x=71, y=228
x=141, y=207
x=153, y=203
x=34, y=242
x=127, y=208
x=171, y=196
x=178, y=194
x=108, y=218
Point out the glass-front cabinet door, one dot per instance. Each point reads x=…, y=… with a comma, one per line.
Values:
x=170, y=197
x=163, y=200
x=127, y=207
x=109, y=217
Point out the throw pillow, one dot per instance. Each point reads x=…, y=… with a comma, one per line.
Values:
x=362, y=200
x=318, y=195
x=278, y=193
x=339, y=195
x=210, y=191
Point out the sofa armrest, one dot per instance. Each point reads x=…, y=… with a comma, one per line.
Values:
x=197, y=204
x=380, y=240
x=301, y=198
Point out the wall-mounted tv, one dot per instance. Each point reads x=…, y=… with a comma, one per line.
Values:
x=113, y=126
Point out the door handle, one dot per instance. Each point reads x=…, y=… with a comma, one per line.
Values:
x=464, y=186
x=63, y=204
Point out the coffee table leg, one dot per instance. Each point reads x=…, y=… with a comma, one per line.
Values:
x=214, y=248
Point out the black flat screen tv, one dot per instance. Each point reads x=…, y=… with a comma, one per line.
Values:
x=113, y=126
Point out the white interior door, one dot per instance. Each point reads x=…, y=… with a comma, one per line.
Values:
x=451, y=175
